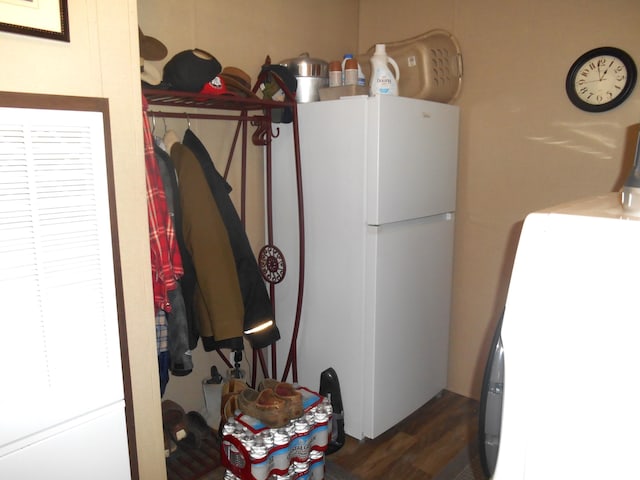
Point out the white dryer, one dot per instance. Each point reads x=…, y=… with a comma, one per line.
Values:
x=561, y=398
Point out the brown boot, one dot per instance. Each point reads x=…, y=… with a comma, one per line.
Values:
x=173, y=420
x=228, y=402
x=286, y=391
x=267, y=407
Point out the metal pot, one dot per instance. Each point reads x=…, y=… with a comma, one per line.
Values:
x=311, y=73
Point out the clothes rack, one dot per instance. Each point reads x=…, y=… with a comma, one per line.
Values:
x=255, y=112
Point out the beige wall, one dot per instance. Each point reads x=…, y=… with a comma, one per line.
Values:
x=101, y=61
x=523, y=146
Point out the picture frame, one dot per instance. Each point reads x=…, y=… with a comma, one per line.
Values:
x=38, y=18
x=59, y=151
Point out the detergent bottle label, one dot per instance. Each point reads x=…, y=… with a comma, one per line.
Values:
x=383, y=83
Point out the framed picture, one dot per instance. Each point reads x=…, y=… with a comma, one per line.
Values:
x=39, y=18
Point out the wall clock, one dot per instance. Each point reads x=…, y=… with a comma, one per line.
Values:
x=601, y=79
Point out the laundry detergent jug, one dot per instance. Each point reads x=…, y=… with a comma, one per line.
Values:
x=383, y=81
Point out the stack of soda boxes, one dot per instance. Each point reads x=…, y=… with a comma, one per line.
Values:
x=253, y=451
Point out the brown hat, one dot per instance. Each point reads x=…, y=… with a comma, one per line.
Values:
x=151, y=48
x=237, y=80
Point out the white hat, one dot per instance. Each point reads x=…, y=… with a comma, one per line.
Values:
x=149, y=74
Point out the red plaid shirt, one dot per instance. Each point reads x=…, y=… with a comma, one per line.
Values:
x=166, y=263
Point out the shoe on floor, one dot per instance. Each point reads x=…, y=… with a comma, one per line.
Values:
x=169, y=445
x=173, y=420
x=197, y=429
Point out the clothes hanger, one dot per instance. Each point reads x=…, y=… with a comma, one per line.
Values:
x=170, y=138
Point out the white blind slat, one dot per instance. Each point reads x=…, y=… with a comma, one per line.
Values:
x=60, y=324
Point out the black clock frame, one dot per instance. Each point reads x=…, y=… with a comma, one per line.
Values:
x=632, y=74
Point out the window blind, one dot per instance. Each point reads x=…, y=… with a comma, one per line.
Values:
x=59, y=331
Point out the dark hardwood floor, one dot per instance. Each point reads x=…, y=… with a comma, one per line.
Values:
x=421, y=446
x=434, y=443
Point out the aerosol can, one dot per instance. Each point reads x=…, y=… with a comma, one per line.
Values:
x=631, y=188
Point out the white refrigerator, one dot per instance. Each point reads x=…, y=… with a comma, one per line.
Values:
x=379, y=191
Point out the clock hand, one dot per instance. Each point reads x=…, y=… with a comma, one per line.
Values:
x=608, y=67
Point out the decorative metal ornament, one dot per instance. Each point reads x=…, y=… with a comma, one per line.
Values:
x=272, y=264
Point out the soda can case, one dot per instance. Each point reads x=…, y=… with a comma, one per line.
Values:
x=252, y=451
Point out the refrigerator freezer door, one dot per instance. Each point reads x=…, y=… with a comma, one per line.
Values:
x=412, y=159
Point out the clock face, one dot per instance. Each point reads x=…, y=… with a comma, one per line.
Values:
x=601, y=79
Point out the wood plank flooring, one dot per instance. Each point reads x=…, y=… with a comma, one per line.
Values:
x=434, y=443
x=419, y=447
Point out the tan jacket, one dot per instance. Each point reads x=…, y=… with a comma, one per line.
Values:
x=218, y=301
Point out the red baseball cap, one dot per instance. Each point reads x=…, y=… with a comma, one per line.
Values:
x=216, y=86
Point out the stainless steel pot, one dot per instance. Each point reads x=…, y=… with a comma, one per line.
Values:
x=311, y=73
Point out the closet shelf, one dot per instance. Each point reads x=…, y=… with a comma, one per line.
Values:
x=175, y=98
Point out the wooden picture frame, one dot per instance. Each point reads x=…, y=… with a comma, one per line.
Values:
x=38, y=18
x=57, y=148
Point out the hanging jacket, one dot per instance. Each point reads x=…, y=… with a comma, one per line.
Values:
x=166, y=263
x=181, y=362
x=257, y=304
x=217, y=299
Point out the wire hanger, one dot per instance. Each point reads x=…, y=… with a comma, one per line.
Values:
x=153, y=124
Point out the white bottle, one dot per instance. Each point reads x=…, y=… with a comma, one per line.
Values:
x=351, y=72
x=360, y=79
x=383, y=81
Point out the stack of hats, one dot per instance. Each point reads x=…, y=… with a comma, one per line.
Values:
x=194, y=70
x=151, y=49
x=231, y=81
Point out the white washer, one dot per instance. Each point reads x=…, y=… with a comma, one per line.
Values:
x=571, y=339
